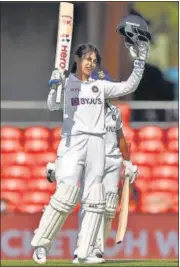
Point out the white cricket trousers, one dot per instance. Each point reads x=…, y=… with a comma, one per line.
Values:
x=111, y=176
x=75, y=153
x=81, y=154
x=112, y=170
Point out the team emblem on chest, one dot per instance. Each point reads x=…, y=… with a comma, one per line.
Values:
x=114, y=117
x=95, y=89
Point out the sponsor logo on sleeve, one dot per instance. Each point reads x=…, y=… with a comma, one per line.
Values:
x=101, y=74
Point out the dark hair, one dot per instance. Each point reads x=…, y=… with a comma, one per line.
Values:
x=82, y=50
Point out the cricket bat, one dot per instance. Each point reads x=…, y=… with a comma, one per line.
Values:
x=123, y=214
x=64, y=38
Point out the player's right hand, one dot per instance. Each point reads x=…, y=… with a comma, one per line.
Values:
x=56, y=79
x=50, y=172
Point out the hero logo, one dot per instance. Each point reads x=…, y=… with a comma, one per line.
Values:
x=65, y=40
x=63, y=56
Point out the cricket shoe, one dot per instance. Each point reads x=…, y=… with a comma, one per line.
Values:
x=39, y=255
x=89, y=260
x=75, y=260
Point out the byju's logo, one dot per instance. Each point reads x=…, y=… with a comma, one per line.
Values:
x=75, y=101
x=110, y=129
x=85, y=101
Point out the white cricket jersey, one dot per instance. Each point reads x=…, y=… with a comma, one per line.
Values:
x=113, y=123
x=84, y=107
x=84, y=102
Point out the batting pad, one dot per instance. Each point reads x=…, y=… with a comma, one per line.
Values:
x=61, y=204
x=110, y=211
x=93, y=208
x=111, y=204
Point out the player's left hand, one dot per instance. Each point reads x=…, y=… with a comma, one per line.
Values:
x=50, y=172
x=140, y=51
x=130, y=171
x=143, y=50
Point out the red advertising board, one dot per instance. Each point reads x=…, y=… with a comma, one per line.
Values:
x=147, y=236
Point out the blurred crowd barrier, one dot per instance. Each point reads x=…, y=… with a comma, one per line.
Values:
x=147, y=236
x=27, y=148
x=134, y=113
x=26, y=151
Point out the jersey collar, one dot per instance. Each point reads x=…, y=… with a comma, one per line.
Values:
x=75, y=79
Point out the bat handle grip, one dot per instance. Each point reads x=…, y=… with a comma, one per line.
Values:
x=59, y=94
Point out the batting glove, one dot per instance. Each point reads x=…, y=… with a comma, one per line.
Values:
x=143, y=51
x=56, y=79
x=130, y=171
x=140, y=53
x=50, y=172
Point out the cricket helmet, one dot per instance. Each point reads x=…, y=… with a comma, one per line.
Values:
x=134, y=28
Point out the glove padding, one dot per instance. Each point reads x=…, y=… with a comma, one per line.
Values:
x=50, y=171
x=140, y=51
x=143, y=51
x=130, y=171
x=56, y=79
x=141, y=54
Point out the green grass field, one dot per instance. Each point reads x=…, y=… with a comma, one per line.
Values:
x=133, y=263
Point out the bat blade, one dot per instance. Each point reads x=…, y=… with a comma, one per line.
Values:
x=123, y=215
x=64, y=39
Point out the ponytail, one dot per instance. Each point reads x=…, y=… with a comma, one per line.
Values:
x=74, y=67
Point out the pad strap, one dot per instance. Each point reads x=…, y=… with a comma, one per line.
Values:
x=111, y=204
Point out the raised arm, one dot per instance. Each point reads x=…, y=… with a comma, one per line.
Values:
x=118, y=89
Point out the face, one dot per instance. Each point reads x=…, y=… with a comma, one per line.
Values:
x=88, y=63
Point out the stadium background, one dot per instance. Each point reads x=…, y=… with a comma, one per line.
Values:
x=30, y=133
